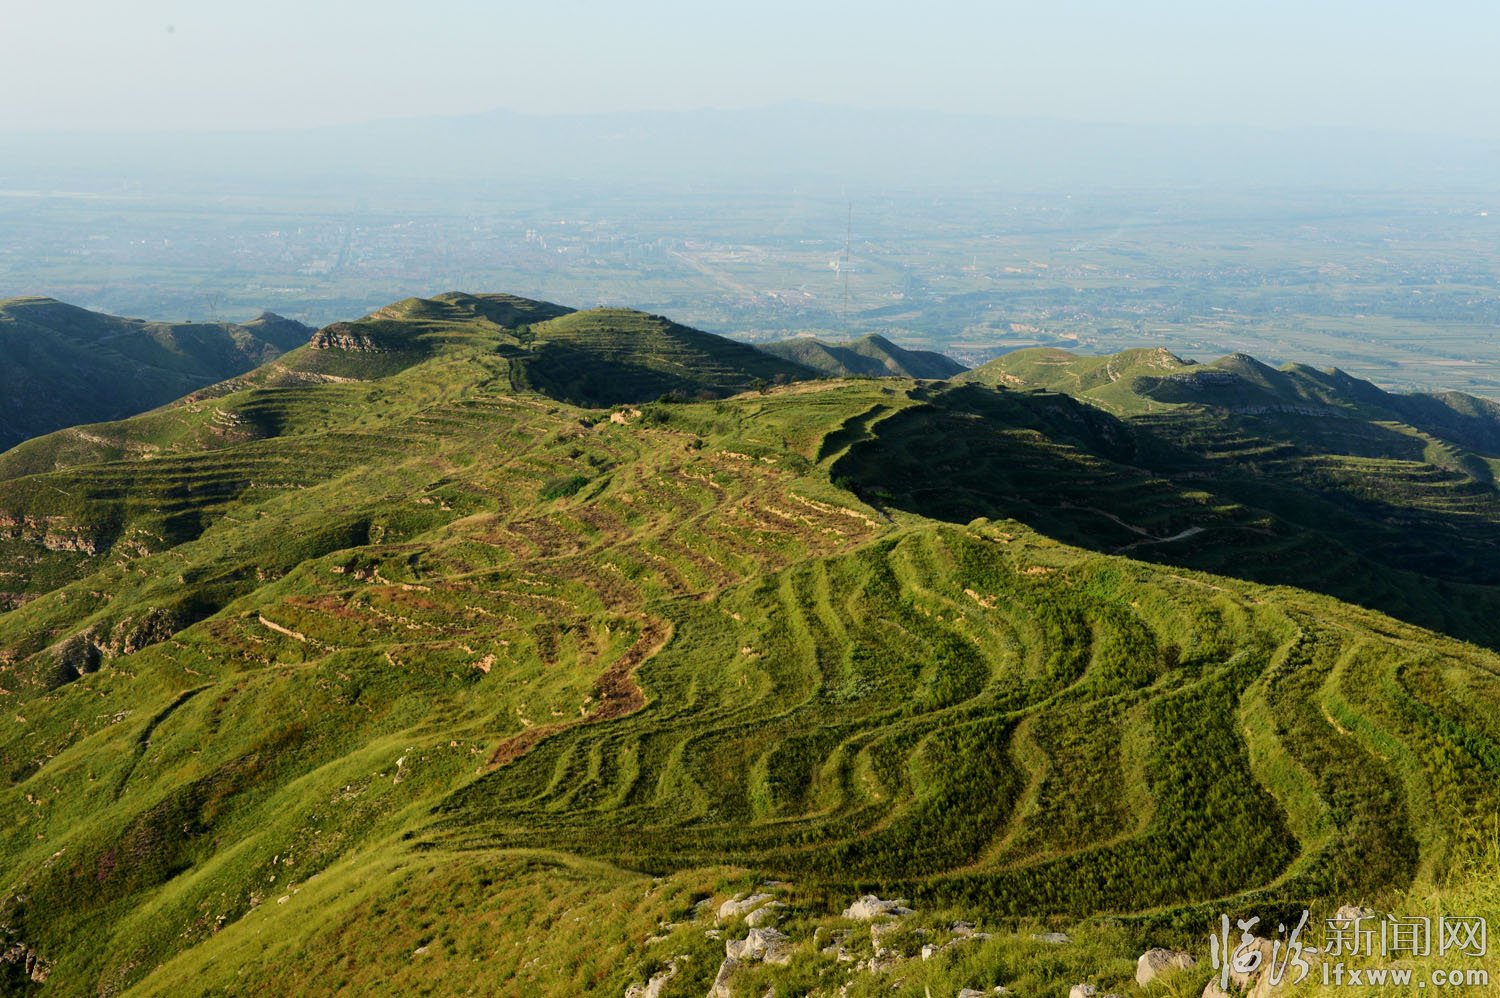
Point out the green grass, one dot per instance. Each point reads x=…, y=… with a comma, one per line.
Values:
x=1370, y=511
x=521, y=684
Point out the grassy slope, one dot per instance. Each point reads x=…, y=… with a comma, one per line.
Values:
x=64, y=365
x=1403, y=481
x=423, y=651
x=607, y=356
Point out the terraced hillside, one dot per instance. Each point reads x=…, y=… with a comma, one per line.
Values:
x=870, y=356
x=378, y=668
x=1380, y=498
x=61, y=365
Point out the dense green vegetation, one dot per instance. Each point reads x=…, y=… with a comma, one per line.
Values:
x=60, y=365
x=382, y=667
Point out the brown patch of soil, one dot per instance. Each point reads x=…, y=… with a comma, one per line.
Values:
x=616, y=693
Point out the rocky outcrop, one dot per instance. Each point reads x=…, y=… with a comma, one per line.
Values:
x=766, y=914
x=88, y=650
x=78, y=656
x=9, y=601
x=653, y=987
x=870, y=906
x=879, y=931
x=1245, y=979
x=54, y=533
x=154, y=626
x=741, y=905
x=1155, y=962
x=720, y=987
x=765, y=944
x=1088, y=991
x=837, y=945
x=963, y=932
x=1257, y=982
x=26, y=958
x=345, y=336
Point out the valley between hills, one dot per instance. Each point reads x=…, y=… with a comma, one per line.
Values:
x=482, y=645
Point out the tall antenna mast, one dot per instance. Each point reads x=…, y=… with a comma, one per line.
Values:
x=848, y=239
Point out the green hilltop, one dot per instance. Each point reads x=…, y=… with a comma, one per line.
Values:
x=65, y=365
x=609, y=356
x=869, y=356
x=390, y=667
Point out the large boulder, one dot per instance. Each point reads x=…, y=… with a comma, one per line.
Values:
x=652, y=988
x=1155, y=962
x=720, y=988
x=880, y=930
x=837, y=945
x=766, y=944
x=1256, y=983
x=870, y=906
x=766, y=914
x=740, y=905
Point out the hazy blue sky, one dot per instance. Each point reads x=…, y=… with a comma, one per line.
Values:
x=152, y=64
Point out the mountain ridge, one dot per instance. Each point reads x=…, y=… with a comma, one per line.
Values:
x=66, y=365
x=869, y=356
x=1131, y=381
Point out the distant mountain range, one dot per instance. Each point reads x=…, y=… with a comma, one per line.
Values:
x=61, y=365
x=1144, y=381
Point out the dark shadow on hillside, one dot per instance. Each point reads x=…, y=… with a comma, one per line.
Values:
x=1086, y=478
x=579, y=377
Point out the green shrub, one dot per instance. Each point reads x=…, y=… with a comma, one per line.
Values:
x=561, y=488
